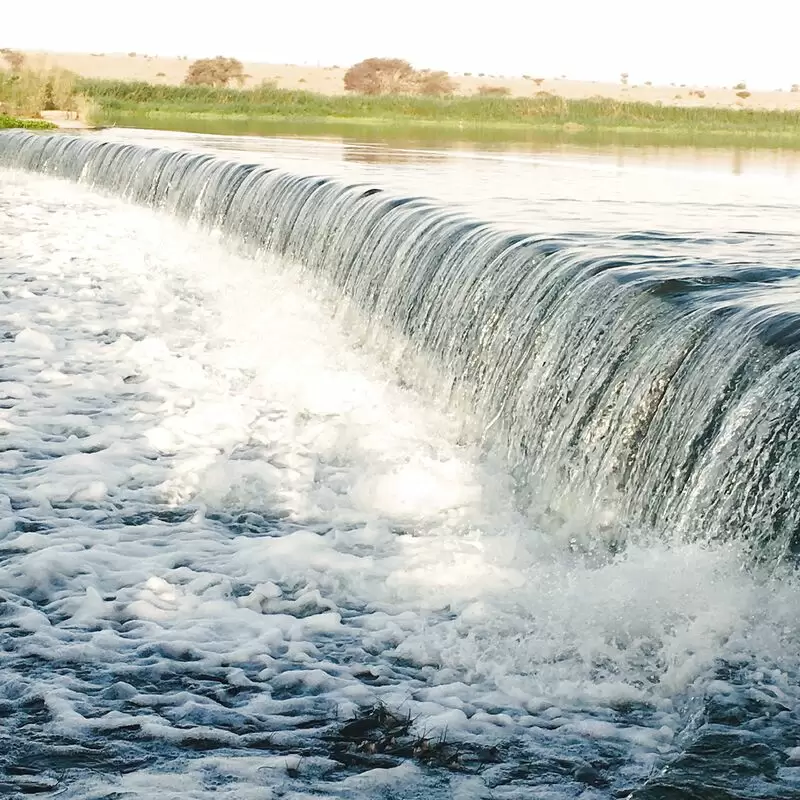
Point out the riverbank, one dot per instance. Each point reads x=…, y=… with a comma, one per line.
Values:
x=329, y=80
x=415, y=133
x=261, y=110
x=67, y=120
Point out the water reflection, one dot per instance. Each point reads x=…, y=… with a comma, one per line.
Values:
x=399, y=144
x=381, y=154
x=549, y=188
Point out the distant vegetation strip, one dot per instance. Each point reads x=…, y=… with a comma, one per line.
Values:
x=115, y=99
x=31, y=124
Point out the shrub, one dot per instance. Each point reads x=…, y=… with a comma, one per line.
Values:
x=743, y=95
x=493, y=91
x=30, y=124
x=796, y=87
x=648, y=83
x=740, y=85
x=538, y=81
x=218, y=71
x=391, y=76
x=48, y=97
x=14, y=59
x=161, y=75
x=131, y=55
x=375, y=76
x=623, y=78
x=435, y=83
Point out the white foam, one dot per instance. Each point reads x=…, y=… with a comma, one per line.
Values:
x=34, y=340
x=319, y=506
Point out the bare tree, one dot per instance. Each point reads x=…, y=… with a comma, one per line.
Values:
x=218, y=71
x=381, y=76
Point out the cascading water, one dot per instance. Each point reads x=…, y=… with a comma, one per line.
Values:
x=241, y=554
x=655, y=392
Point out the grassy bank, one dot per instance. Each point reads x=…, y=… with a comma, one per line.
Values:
x=446, y=136
x=129, y=103
x=31, y=124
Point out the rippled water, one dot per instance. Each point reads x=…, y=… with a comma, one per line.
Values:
x=228, y=527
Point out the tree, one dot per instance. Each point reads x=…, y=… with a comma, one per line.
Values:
x=14, y=59
x=435, y=82
x=218, y=71
x=381, y=76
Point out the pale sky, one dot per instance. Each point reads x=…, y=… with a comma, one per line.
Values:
x=682, y=41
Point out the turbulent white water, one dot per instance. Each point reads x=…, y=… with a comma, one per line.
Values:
x=226, y=528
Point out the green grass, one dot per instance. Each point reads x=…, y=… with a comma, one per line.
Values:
x=120, y=102
x=30, y=124
x=428, y=135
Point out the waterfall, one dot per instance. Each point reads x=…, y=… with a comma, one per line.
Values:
x=653, y=391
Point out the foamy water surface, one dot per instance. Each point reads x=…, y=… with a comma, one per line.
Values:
x=227, y=527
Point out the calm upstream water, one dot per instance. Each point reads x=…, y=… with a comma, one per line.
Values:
x=341, y=470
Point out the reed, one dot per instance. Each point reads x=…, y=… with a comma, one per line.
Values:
x=29, y=91
x=115, y=100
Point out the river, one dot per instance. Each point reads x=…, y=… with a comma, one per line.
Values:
x=312, y=491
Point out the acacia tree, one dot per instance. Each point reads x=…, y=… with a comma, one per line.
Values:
x=217, y=71
x=435, y=82
x=381, y=76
